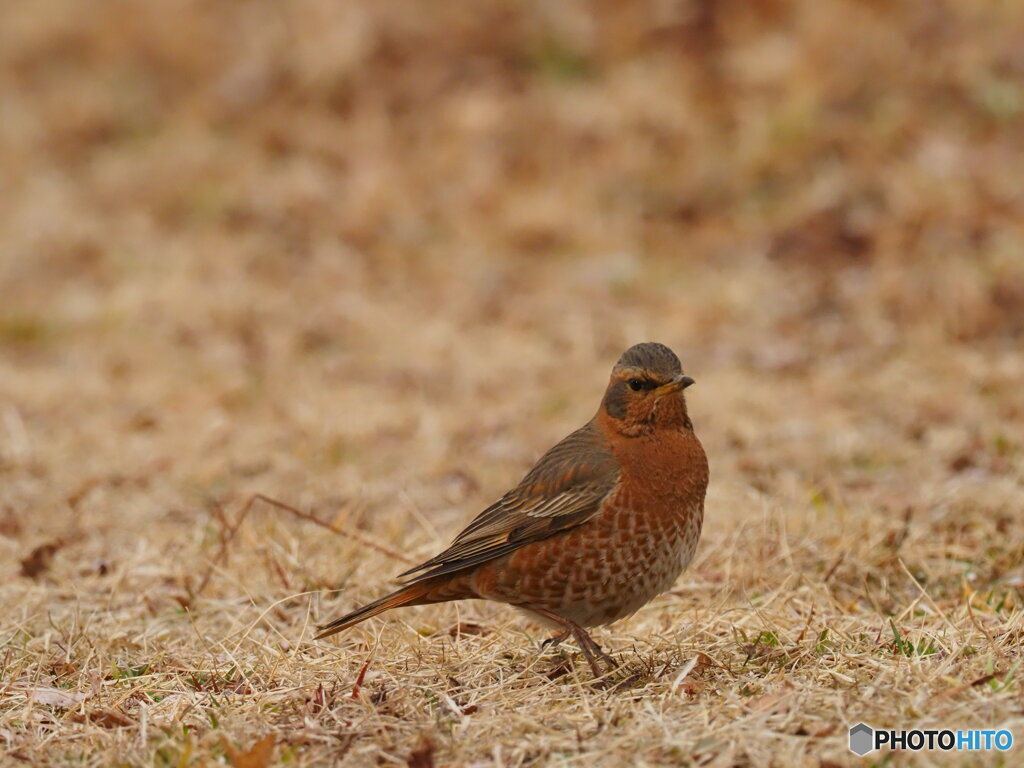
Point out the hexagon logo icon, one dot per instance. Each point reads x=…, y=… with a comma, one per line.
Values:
x=862, y=739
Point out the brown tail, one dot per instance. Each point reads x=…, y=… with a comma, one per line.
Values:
x=406, y=596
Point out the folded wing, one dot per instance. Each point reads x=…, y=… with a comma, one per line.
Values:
x=564, y=489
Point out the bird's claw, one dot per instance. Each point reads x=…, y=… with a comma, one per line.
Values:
x=553, y=641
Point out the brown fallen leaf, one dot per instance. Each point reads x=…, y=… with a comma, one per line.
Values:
x=823, y=731
x=56, y=697
x=105, y=717
x=769, y=703
x=704, y=662
x=422, y=756
x=62, y=669
x=257, y=757
x=686, y=681
x=467, y=628
x=82, y=491
x=40, y=558
x=690, y=687
x=958, y=689
x=10, y=525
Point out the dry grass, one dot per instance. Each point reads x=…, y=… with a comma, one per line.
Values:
x=372, y=259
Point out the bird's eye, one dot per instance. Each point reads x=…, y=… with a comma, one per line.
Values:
x=635, y=384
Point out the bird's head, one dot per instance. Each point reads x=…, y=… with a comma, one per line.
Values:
x=645, y=391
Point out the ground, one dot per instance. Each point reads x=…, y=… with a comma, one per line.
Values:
x=371, y=260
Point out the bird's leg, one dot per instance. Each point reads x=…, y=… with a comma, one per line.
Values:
x=584, y=636
x=587, y=646
x=591, y=650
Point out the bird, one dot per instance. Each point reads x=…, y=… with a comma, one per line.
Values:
x=604, y=522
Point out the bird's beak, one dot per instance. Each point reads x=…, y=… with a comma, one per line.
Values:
x=677, y=384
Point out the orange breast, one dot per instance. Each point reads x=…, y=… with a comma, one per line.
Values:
x=631, y=551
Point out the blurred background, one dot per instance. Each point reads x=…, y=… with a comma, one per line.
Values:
x=373, y=257
x=382, y=254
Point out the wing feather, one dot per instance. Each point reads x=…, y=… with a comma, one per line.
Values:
x=564, y=489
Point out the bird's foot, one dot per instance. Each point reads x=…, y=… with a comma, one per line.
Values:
x=591, y=650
